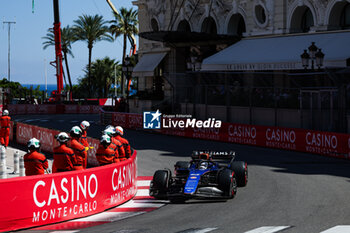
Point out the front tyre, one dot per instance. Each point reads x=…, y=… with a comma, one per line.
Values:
x=159, y=184
x=227, y=183
x=241, y=171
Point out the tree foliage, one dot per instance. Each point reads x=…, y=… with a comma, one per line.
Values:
x=91, y=29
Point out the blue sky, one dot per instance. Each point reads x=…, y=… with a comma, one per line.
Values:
x=27, y=54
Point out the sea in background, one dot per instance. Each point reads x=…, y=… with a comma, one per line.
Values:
x=50, y=87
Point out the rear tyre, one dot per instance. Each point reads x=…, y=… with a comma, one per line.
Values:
x=227, y=183
x=241, y=171
x=160, y=184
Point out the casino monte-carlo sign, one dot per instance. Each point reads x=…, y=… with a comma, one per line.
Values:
x=264, y=66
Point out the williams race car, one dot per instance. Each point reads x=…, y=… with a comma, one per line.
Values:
x=212, y=174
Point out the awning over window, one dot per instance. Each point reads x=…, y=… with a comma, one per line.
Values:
x=280, y=52
x=147, y=64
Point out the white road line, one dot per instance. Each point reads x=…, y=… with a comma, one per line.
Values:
x=338, y=229
x=74, y=121
x=108, y=216
x=142, y=192
x=44, y=120
x=202, y=230
x=143, y=182
x=30, y=120
x=63, y=231
x=269, y=229
x=140, y=204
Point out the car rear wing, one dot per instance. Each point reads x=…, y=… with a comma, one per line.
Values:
x=215, y=155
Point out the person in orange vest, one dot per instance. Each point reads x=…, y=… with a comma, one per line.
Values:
x=84, y=126
x=110, y=131
x=124, y=141
x=78, y=148
x=5, y=128
x=63, y=156
x=35, y=163
x=105, y=154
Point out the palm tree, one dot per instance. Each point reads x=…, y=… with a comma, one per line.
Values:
x=124, y=24
x=91, y=29
x=66, y=42
x=102, y=74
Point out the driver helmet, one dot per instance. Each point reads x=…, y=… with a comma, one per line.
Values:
x=84, y=125
x=5, y=112
x=105, y=140
x=62, y=137
x=33, y=144
x=76, y=131
x=119, y=130
x=203, y=166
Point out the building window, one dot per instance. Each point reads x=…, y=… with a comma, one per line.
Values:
x=236, y=25
x=209, y=26
x=307, y=20
x=154, y=25
x=260, y=14
x=345, y=17
x=184, y=26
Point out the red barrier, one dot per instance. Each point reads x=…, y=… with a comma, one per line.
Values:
x=44, y=199
x=24, y=132
x=21, y=109
x=310, y=141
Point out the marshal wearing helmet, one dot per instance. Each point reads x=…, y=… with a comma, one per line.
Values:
x=78, y=148
x=35, y=163
x=63, y=156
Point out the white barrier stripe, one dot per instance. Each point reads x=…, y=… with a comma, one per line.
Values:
x=142, y=192
x=338, y=229
x=108, y=217
x=143, y=182
x=150, y=201
x=140, y=204
x=269, y=229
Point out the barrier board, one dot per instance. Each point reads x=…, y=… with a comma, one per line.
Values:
x=44, y=199
x=302, y=140
x=21, y=109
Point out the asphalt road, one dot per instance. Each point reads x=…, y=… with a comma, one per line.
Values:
x=304, y=192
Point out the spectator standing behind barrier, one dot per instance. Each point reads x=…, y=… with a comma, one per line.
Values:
x=78, y=148
x=84, y=126
x=5, y=128
x=105, y=154
x=35, y=163
x=119, y=136
x=63, y=157
x=110, y=131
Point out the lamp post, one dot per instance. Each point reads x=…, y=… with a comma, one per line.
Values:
x=315, y=55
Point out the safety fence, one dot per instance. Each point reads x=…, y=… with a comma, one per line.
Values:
x=294, y=139
x=21, y=109
x=44, y=199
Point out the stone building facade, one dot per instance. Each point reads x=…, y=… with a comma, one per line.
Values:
x=159, y=20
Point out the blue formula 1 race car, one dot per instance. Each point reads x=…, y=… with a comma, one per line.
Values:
x=210, y=174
